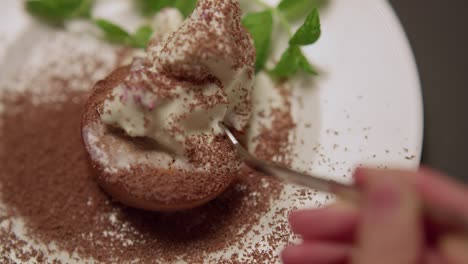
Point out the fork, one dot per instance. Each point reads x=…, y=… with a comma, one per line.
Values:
x=348, y=193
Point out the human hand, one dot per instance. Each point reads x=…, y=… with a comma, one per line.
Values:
x=389, y=226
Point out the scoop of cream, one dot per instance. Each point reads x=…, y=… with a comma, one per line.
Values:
x=188, y=81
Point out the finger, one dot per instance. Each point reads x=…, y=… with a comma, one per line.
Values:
x=434, y=187
x=316, y=252
x=454, y=249
x=432, y=259
x=390, y=229
x=359, y=177
x=445, y=199
x=431, y=255
x=334, y=223
x=362, y=175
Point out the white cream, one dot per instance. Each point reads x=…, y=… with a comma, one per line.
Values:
x=187, y=108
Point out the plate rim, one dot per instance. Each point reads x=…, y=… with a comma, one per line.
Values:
x=411, y=60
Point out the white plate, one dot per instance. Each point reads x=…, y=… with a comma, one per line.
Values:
x=369, y=85
x=364, y=108
x=370, y=91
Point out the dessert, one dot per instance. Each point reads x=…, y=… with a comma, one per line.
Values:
x=150, y=128
x=51, y=207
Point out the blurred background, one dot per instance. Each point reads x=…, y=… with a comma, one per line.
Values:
x=438, y=33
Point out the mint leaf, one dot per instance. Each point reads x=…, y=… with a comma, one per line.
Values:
x=85, y=8
x=116, y=34
x=113, y=32
x=56, y=12
x=309, y=32
x=288, y=64
x=291, y=62
x=260, y=26
x=296, y=9
x=45, y=11
x=142, y=36
x=186, y=7
x=151, y=7
x=305, y=65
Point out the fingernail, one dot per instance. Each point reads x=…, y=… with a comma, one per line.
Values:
x=384, y=197
x=359, y=175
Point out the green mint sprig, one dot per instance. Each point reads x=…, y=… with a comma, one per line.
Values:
x=293, y=59
x=291, y=62
x=116, y=34
x=56, y=12
x=260, y=26
x=151, y=7
x=142, y=36
x=297, y=9
x=309, y=32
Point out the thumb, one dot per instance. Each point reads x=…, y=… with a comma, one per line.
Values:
x=391, y=229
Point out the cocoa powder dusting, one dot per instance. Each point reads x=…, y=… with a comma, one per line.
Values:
x=274, y=143
x=46, y=179
x=51, y=205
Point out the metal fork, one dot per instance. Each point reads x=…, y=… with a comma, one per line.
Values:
x=288, y=175
x=348, y=193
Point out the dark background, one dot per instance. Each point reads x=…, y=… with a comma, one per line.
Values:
x=438, y=33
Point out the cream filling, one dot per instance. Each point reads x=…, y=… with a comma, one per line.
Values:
x=170, y=121
x=140, y=121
